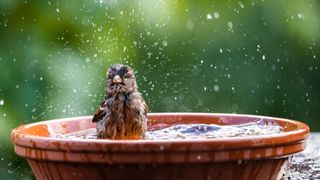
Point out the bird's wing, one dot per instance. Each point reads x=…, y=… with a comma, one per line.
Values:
x=99, y=114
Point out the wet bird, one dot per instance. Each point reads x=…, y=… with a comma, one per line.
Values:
x=122, y=113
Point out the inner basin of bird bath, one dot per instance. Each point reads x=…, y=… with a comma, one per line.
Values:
x=177, y=146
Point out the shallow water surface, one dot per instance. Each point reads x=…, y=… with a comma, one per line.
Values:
x=194, y=131
x=213, y=131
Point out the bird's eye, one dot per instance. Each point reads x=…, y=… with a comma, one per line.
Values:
x=125, y=76
x=122, y=72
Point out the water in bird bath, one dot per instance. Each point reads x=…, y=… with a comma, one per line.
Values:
x=194, y=131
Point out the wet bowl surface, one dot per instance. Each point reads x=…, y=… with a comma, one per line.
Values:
x=252, y=157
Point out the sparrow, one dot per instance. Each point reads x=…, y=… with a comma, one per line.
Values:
x=123, y=112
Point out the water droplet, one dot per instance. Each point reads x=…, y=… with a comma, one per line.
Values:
x=263, y=57
x=164, y=43
x=216, y=88
x=10, y=172
x=300, y=16
x=58, y=10
x=241, y=4
x=220, y=50
x=209, y=16
x=230, y=26
x=216, y=15
x=205, y=88
x=1, y=102
x=88, y=60
x=149, y=54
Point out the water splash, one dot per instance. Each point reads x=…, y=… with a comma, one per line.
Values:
x=213, y=131
x=194, y=131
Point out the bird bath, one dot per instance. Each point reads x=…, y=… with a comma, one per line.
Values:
x=244, y=157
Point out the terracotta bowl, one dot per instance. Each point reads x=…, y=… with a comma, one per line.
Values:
x=252, y=157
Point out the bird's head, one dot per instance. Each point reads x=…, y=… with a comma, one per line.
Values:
x=121, y=79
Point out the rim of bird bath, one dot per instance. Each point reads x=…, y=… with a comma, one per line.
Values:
x=33, y=141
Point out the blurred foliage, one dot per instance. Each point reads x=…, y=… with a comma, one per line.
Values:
x=253, y=57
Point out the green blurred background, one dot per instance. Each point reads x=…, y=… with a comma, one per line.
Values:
x=253, y=57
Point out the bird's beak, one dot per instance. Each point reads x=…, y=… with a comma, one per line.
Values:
x=116, y=79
